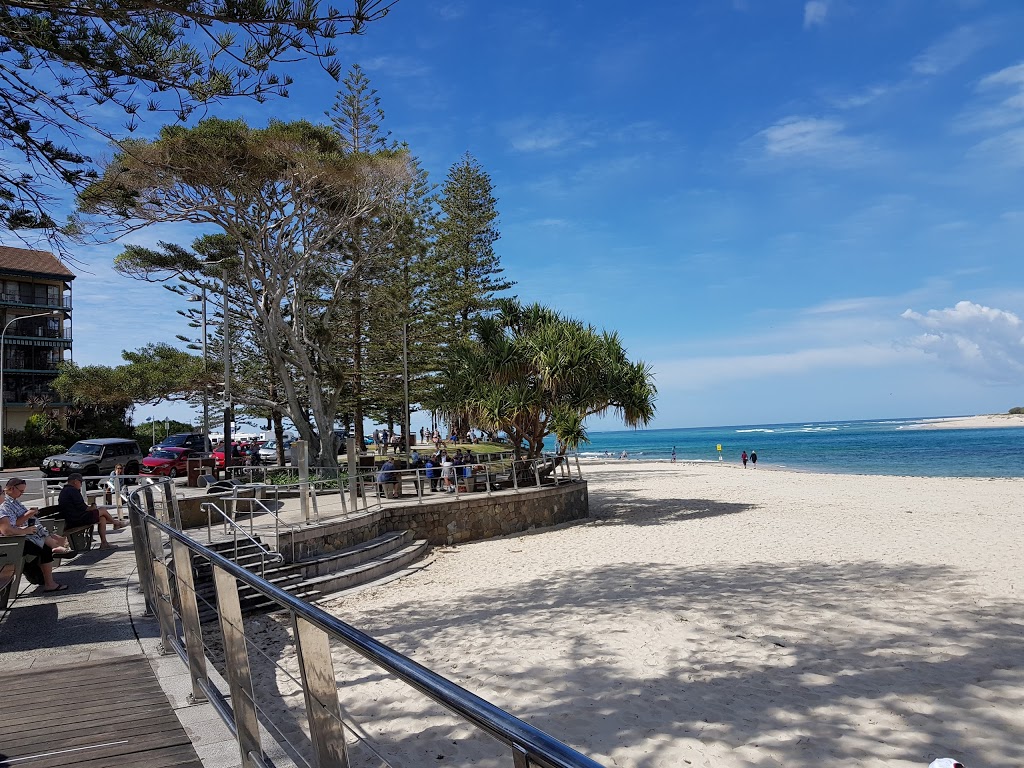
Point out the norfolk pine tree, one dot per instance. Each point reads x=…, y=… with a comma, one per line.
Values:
x=469, y=271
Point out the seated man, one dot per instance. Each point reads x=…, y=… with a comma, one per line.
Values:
x=14, y=519
x=75, y=512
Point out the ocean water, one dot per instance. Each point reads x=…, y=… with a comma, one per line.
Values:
x=883, y=447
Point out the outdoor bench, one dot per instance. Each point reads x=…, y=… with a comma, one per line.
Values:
x=79, y=537
x=11, y=555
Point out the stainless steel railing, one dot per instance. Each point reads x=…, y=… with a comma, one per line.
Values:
x=171, y=595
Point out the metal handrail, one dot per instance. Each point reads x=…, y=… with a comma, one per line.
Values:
x=530, y=745
x=278, y=522
x=275, y=557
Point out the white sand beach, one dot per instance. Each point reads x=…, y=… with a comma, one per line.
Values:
x=985, y=421
x=708, y=615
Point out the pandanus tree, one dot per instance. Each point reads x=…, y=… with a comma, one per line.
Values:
x=282, y=198
x=530, y=372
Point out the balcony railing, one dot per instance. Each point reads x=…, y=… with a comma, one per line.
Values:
x=14, y=298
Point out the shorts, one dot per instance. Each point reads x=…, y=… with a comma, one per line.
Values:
x=77, y=519
x=44, y=552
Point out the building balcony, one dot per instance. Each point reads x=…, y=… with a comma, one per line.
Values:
x=39, y=340
x=14, y=300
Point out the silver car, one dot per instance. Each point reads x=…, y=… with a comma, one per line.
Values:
x=268, y=452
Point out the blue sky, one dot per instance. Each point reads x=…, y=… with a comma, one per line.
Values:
x=793, y=210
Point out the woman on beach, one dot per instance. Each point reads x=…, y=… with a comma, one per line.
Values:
x=753, y=458
x=743, y=456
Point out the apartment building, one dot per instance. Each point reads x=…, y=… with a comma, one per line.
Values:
x=35, y=302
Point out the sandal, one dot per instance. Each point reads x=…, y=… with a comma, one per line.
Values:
x=58, y=588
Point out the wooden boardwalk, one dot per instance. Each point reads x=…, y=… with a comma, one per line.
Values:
x=93, y=715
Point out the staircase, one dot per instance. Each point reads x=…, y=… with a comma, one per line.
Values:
x=310, y=579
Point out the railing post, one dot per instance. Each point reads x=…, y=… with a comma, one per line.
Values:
x=162, y=590
x=299, y=455
x=353, y=473
x=536, y=472
x=190, y=619
x=140, y=542
x=515, y=476
x=519, y=757
x=321, y=691
x=579, y=472
x=236, y=663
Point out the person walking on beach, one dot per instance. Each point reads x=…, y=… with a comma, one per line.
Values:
x=753, y=458
x=743, y=457
x=673, y=454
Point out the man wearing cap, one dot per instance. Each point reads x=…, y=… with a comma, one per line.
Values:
x=75, y=512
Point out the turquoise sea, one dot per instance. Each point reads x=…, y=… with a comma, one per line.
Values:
x=882, y=447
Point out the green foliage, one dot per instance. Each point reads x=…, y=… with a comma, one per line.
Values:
x=18, y=456
x=469, y=270
x=59, y=61
x=1016, y=410
x=530, y=372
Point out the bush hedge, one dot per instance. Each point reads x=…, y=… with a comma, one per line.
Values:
x=29, y=455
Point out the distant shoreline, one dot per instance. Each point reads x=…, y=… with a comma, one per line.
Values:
x=985, y=421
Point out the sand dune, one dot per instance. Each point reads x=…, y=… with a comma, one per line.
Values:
x=713, y=616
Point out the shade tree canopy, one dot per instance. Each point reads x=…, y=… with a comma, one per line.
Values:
x=283, y=198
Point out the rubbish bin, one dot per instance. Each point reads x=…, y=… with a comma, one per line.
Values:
x=197, y=467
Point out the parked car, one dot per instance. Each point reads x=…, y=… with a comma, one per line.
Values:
x=194, y=441
x=268, y=451
x=239, y=453
x=94, y=457
x=168, y=462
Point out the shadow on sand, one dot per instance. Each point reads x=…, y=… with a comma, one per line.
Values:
x=761, y=664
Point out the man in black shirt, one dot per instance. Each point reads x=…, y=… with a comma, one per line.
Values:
x=76, y=512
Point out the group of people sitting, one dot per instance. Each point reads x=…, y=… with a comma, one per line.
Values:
x=18, y=520
x=440, y=469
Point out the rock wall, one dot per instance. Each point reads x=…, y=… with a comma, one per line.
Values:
x=473, y=517
x=477, y=516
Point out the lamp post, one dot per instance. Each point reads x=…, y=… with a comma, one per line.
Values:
x=3, y=402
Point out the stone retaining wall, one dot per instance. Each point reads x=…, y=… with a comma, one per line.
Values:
x=477, y=516
x=471, y=518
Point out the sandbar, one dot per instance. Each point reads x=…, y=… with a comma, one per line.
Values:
x=985, y=421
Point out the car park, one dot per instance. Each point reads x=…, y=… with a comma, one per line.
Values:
x=167, y=462
x=94, y=457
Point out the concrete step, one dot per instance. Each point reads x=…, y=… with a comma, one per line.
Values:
x=317, y=577
x=367, y=571
x=354, y=555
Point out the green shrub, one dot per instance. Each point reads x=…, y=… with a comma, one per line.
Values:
x=1017, y=410
x=16, y=456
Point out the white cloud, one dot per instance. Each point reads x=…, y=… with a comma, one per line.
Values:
x=822, y=140
x=949, y=52
x=397, y=66
x=1001, y=101
x=815, y=12
x=984, y=342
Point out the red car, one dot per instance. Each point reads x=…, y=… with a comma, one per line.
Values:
x=169, y=462
x=239, y=454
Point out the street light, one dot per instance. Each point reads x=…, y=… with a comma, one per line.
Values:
x=3, y=402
